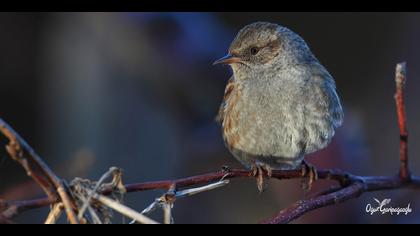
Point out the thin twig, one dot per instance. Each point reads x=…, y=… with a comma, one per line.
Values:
x=21, y=152
x=192, y=191
x=338, y=175
x=16, y=153
x=65, y=198
x=95, y=218
x=167, y=214
x=55, y=213
x=301, y=207
x=400, y=80
x=12, y=208
x=124, y=210
x=167, y=200
x=86, y=203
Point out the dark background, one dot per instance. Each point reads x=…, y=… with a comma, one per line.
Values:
x=137, y=90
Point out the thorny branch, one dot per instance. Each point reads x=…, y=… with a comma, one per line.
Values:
x=36, y=168
x=349, y=186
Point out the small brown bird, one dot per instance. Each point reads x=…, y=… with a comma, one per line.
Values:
x=280, y=104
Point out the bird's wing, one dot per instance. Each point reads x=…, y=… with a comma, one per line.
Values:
x=333, y=106
x=228, y=91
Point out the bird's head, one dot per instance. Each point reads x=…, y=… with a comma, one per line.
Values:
x=263, y=45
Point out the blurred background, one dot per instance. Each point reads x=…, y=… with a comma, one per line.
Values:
x=138, y=90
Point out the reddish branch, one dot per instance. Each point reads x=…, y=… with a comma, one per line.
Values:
x=301, y=207
x=349, y=186
x=341, y=194
x=400, y=79
x=10, y=209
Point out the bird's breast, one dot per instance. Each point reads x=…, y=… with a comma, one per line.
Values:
x=260, y=121
x=270, y=121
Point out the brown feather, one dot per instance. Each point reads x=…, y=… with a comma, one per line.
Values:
x=228, y=91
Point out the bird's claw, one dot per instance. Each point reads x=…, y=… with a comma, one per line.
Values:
x=260, y=171
x=311, y=173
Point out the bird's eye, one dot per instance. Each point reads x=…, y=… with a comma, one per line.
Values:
x=254, y=50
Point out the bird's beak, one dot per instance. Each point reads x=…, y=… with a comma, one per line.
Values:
x=228, y=59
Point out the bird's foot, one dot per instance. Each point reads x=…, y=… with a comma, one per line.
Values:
x=260, y=171
x=309, y=174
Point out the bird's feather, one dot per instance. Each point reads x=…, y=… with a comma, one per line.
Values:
x=228, y=91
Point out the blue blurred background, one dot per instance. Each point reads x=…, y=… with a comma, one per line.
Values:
x=138, y=91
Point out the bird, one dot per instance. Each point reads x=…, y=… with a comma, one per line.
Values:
x=280, y=103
